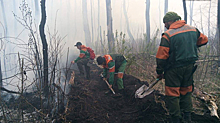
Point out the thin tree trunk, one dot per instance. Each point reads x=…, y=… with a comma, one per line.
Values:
x=191, y=11
x=165, y=10
x=4, y=18
x=185, y=11
x=109, y=26
x=45, y=47
x=92, y=20
x=5, y=34
x=36, y=7
x=160, y=18
x=147, y=15
x=201, y=19
x=86, y=24
x=1, y=84
x=127, y=22
x=98, y=21
x=209, y=19
x=218, y=32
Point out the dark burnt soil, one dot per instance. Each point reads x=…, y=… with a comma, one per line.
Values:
x=89, y=103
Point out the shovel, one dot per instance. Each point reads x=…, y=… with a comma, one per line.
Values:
x=108, y=84
x=144, y=90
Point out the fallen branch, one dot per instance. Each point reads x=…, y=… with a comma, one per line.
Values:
x=208, y=100
x=4, y=89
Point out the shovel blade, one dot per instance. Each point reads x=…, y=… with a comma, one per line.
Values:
x=143, y=91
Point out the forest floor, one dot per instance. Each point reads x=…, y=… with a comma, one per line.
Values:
x=88, y=102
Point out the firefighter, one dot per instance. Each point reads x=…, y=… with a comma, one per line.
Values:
x=82, y=60
x=114, y=64
x=175, y=60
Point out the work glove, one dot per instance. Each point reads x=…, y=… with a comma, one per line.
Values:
x=73, y=62
x=160, y=76
x=102, y=77
x=110, y=86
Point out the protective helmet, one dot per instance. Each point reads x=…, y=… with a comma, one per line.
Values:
x=171, y=16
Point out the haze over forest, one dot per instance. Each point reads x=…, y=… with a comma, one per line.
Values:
x=65, y=16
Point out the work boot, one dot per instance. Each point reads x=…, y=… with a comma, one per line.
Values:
x=187, y=117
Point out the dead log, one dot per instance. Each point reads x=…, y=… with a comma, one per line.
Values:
x=4, y=89
x=208, y=100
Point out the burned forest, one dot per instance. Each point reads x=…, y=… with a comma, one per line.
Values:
x=98, y=60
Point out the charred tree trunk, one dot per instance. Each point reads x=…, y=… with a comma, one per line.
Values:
x=4, y=17
x=191, y=11
x=147, y=15
x=99, y=32
x=86, y=24
x=185, y=11
x=91, y=3
x=109, y=26
x=209, y=19
x=1, y=84
x=127, y=22
x=5, y=34
x=165, y=10
x=218, y=32
x=44, y=43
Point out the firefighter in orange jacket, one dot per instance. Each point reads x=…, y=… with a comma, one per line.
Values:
x=175, y=60
x=115, y=64
x=82, y=60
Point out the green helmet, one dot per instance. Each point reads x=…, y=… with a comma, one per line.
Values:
x=171, y=16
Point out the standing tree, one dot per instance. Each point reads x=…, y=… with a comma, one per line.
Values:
x=44, y=43
x=127, y=22
x=109, y=26
x=191, y=11
x=218, y=33
x=91, y=3
x=1, y=84
x=209, y=19
x=36, y=7
x=165, y=10
x=147, y=15
x=86, y=24
x=185, y=11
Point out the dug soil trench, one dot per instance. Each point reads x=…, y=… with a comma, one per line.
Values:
x=88, y=102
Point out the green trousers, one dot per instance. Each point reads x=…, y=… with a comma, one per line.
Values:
x=81, y=63
x=120, y=72
x=178, y=90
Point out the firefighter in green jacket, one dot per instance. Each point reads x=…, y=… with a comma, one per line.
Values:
x=115, y=64
x=82, y=60
x=175, y=60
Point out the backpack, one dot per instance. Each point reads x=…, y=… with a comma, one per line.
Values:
x=91, y=52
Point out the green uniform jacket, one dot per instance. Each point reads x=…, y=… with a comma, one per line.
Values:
x=113, y=66
x=178, y=46
x=83, y=53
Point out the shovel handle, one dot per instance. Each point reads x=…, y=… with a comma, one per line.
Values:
x=110, y=88
x=108, y=84
x=155, y=82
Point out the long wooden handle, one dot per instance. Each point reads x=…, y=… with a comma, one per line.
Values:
x=108, y=84
x=110, y=88
x=152, y=84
